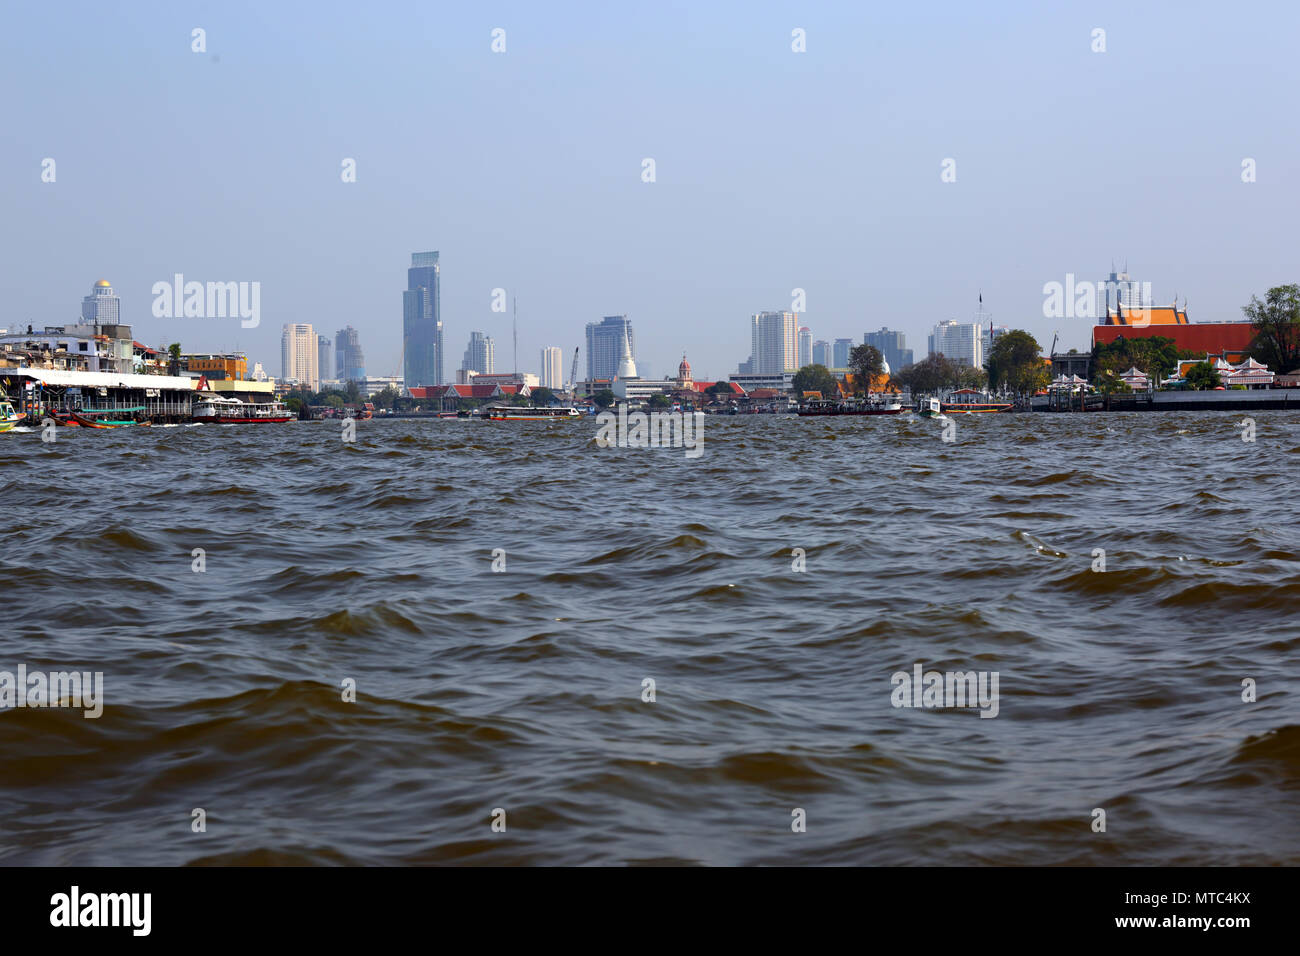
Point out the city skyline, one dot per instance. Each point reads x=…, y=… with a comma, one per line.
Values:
x=868, y=230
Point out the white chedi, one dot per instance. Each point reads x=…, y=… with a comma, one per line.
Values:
x=626, y=366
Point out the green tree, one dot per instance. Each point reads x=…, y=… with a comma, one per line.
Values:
x=1157, y=355
x=604, y=398
x=1014, y=363
x=866, y=363
x=542, y=396
x=816, y=378
x=931, y=374
x=1109, y=383
x=973, y=378
x=1276, y=322
x=660, y=401
x=386, y=398
x=352, y=392
x=334, y=401
x=1202, y=376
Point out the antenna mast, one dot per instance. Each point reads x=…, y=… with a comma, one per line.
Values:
x=516, y=332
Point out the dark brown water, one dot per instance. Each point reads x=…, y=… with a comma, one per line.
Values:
x=522, y=690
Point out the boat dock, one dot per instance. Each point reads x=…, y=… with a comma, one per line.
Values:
x=40, y=392
x=1230, y=400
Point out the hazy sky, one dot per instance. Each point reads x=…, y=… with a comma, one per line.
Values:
x=774, y=169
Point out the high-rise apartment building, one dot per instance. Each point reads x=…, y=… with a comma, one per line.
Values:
x=959, y=341
x=990, y=334
x=552, y=367
x=480, y=354
x=822, y=353
x=422, y=322
x=605, y=345
x=774, y=343
x=805, y=348
x=299, y=355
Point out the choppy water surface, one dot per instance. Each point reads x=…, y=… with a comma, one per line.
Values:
x=522, y=690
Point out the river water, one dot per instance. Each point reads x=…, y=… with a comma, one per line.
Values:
x=519, y=695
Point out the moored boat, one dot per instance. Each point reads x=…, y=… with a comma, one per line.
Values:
x=819, y=408
x=85, y=421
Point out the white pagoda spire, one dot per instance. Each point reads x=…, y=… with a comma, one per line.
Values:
x=626, y=367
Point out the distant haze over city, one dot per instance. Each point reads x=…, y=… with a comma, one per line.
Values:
x=774, y=170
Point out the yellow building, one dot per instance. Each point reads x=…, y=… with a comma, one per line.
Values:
x=231, y=366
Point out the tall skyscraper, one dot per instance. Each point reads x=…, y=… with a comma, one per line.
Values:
x=324, y=357
x=299, y=355
x=1120, y=289
x=822, y=353
x=774, y=345
x=349, y=360
x=892, y=345
x=605, y=345
x=422, y=322
x=805, y=348
x=960, y=341
x=840, y=353
x=552, y=367
x=480, y=354
x=102, y=306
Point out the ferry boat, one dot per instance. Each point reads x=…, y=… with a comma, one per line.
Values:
x=932, y=409
x=223, y=410
x=968, y=401
x=518, y=413
x=817, y=408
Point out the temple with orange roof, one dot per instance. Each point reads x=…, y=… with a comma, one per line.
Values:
x=1226, y=338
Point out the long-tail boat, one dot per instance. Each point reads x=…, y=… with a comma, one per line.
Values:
x=85, y=422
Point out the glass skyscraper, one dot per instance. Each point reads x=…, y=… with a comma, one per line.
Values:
x=422, y=323
x=840, y=353
x=605, y=345
x=892, y=345
x=350, y=362
x=324, y=351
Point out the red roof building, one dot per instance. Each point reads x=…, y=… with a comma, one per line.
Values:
x=454, y=393
x=1171, y=322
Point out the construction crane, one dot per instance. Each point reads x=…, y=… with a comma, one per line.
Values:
x=573, y=375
